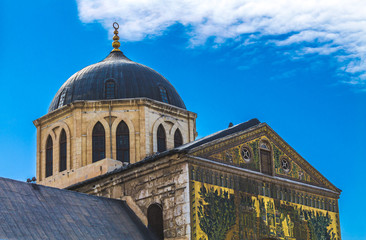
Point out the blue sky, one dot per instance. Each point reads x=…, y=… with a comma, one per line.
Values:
x=301, y=74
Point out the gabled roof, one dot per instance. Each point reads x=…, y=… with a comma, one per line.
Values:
x=219, y=138
x=181, y=149
x=225, y=139
x=221, y=134
x=31, y=211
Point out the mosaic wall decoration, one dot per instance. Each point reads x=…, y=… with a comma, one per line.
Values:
x=251, y=160
x=220, y=213
x=294, y=171
x=234, y=156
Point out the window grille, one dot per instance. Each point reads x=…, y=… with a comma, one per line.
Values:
x=264, y=145
x=163, y=94
x=245, y=154
x=110, y=89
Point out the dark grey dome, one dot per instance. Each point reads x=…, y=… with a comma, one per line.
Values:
x=116, y=77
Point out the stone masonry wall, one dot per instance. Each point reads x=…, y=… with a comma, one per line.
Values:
x=165, y=182
x=142, y=116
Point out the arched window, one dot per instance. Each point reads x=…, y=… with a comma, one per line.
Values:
x=161, y=139
x=266, y=159
x=123, y=142
x=178, y=140
x=110, y=89
x=98, y=142
x=155, y=220
x=264, y=145
x=49, y=156
x=163, y=94
x=63, y=149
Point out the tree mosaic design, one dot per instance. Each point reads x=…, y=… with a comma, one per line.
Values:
x=216, y=213
x=247, y=217
x=241, y=215
x=318, y=224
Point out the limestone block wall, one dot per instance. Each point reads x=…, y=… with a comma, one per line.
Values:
x=165, y=181
x=172, y=119
x=70, y=177
x=142, y=116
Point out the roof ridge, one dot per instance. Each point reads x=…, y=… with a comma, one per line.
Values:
x=54, y=188
x=220, y=134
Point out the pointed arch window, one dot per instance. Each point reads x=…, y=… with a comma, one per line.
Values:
x=63, y=150
x=163, y=94
x=161, y=139
x=155, y=220
x=110, y=89
x=98, y=142
x=178, y=139
x=123, y=142
x=49, y=157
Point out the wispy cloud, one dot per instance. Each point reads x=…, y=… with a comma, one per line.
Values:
x=336, y=27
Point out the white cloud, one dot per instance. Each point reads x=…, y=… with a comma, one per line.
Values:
x=336, y=26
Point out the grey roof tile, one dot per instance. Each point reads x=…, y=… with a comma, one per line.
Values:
x=31, y=211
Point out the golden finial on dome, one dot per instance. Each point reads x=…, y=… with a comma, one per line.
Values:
x=116, y=43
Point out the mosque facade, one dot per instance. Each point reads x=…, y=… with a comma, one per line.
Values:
x=118, y=129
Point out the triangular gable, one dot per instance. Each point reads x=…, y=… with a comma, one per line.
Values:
x=242, y=149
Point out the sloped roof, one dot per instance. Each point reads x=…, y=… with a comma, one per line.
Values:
x=185, y=148
x=221, y=134
x=181, y=149
x=206, y=141
x=31, y=211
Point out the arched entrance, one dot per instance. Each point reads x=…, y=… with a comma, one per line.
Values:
x=155, y=220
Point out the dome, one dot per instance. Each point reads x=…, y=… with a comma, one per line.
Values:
x=116, y=77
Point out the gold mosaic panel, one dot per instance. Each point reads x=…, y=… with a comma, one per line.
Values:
x=233, y=156
x=220, y=213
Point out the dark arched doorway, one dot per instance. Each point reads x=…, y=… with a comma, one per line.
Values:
x=155, y=220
